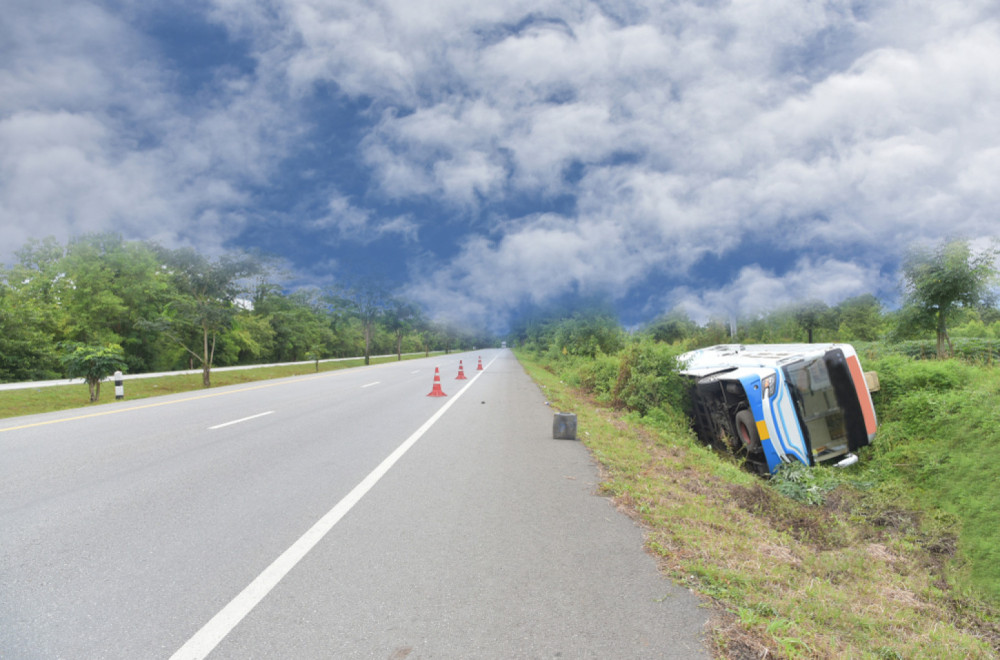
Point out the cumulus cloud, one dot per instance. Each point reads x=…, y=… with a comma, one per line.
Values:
x=577, y=147
x=756, y=290
x=95, y=137
x=348, y=221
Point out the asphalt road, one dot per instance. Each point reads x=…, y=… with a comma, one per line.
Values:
x=342, y=515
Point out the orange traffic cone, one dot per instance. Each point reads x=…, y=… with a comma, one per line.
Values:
x=436, y=390
x=461, y=372
x=480, y=367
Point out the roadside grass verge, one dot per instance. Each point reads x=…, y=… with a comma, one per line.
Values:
x=852, y=577
x=14, y=403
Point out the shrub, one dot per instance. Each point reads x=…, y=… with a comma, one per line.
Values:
x=599, y=375
x=648, y=378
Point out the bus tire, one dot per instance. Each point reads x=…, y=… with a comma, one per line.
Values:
x=746, y=431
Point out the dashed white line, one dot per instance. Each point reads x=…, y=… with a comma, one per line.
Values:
x=237, y=421
x=213, y=632
x=371, y=384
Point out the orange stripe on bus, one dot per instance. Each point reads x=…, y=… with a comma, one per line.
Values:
x=863, y=397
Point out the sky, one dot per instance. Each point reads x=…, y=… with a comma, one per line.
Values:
x=723, y=157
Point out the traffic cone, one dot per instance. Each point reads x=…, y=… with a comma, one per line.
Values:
x=461, y=372
x=480, y=367
x=436, y=390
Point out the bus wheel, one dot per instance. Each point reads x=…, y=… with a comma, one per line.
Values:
x=746, y=431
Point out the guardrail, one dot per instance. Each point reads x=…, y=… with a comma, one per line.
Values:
x=186, y=372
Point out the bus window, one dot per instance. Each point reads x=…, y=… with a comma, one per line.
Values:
x=819, y=412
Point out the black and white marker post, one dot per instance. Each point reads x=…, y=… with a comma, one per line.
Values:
x=119, y=386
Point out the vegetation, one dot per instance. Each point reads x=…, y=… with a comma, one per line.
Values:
x=894, y=557
x=943, y=280
x=18, y=402
x=93, y=364
x=177, y=309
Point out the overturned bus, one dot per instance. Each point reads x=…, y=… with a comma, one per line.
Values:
x=774, y=403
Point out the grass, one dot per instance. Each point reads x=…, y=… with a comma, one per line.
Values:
x=62, y=397
x=857, y=576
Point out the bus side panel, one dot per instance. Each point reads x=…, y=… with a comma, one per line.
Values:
x=752, y=387
x=864, y=396
x=786, y=422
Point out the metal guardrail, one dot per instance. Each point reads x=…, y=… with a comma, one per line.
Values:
x=186, y=372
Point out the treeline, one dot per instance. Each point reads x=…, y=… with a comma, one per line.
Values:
x=152, y=309
x=949, y=308
x=856, y=320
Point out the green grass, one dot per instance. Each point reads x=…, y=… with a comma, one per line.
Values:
x=939, y=433
x=14, y=403
x=845, y=564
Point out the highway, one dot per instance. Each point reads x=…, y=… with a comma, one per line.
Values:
x=338, y=515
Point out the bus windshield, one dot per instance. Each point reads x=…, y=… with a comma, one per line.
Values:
x=820, y=413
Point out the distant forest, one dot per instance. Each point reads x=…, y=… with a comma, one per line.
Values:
x=159, y=309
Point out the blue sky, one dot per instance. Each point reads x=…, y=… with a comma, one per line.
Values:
x=726, y=157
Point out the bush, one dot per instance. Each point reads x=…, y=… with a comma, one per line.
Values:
x=599, y=375
x=900, y=376
x=648, y=378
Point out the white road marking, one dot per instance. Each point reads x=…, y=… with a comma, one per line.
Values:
x=237, y=421
x=370, y=384
x=213, y=632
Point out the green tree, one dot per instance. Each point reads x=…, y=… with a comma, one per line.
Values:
x=940, y=281
x=401, y=317
x=367, y=300
x=861, y=318
x=31, y=313
x=93, y=363
x=589, y=333
x=672, y=327
x=110, y=286
x=812, y=315
x=202, y=304
x=26, y=345
x=299, y=324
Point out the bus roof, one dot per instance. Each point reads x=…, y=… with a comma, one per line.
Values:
x=752, y=355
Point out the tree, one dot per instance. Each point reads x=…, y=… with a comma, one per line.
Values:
x=111, y=285
x=672, y=327
x=588, y=333
x=203, y=302
x=400, y=318
x=860, y=318
x=940, y=281
x=299, y=325
x=811, y=316
x=93, y=363
x=367, y=300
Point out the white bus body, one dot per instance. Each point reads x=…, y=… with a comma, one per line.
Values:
x=774, y=403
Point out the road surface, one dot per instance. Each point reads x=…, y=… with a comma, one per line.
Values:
x=339, y=515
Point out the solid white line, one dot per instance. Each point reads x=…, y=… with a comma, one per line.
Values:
x=237, y=421
x=370, y=384
x=213, y=632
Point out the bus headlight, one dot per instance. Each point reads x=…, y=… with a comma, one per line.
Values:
x=769, y=384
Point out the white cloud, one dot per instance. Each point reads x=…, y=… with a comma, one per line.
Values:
x=95, y=137
x=345, y=221
x=665, y=134
x=757, y=289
